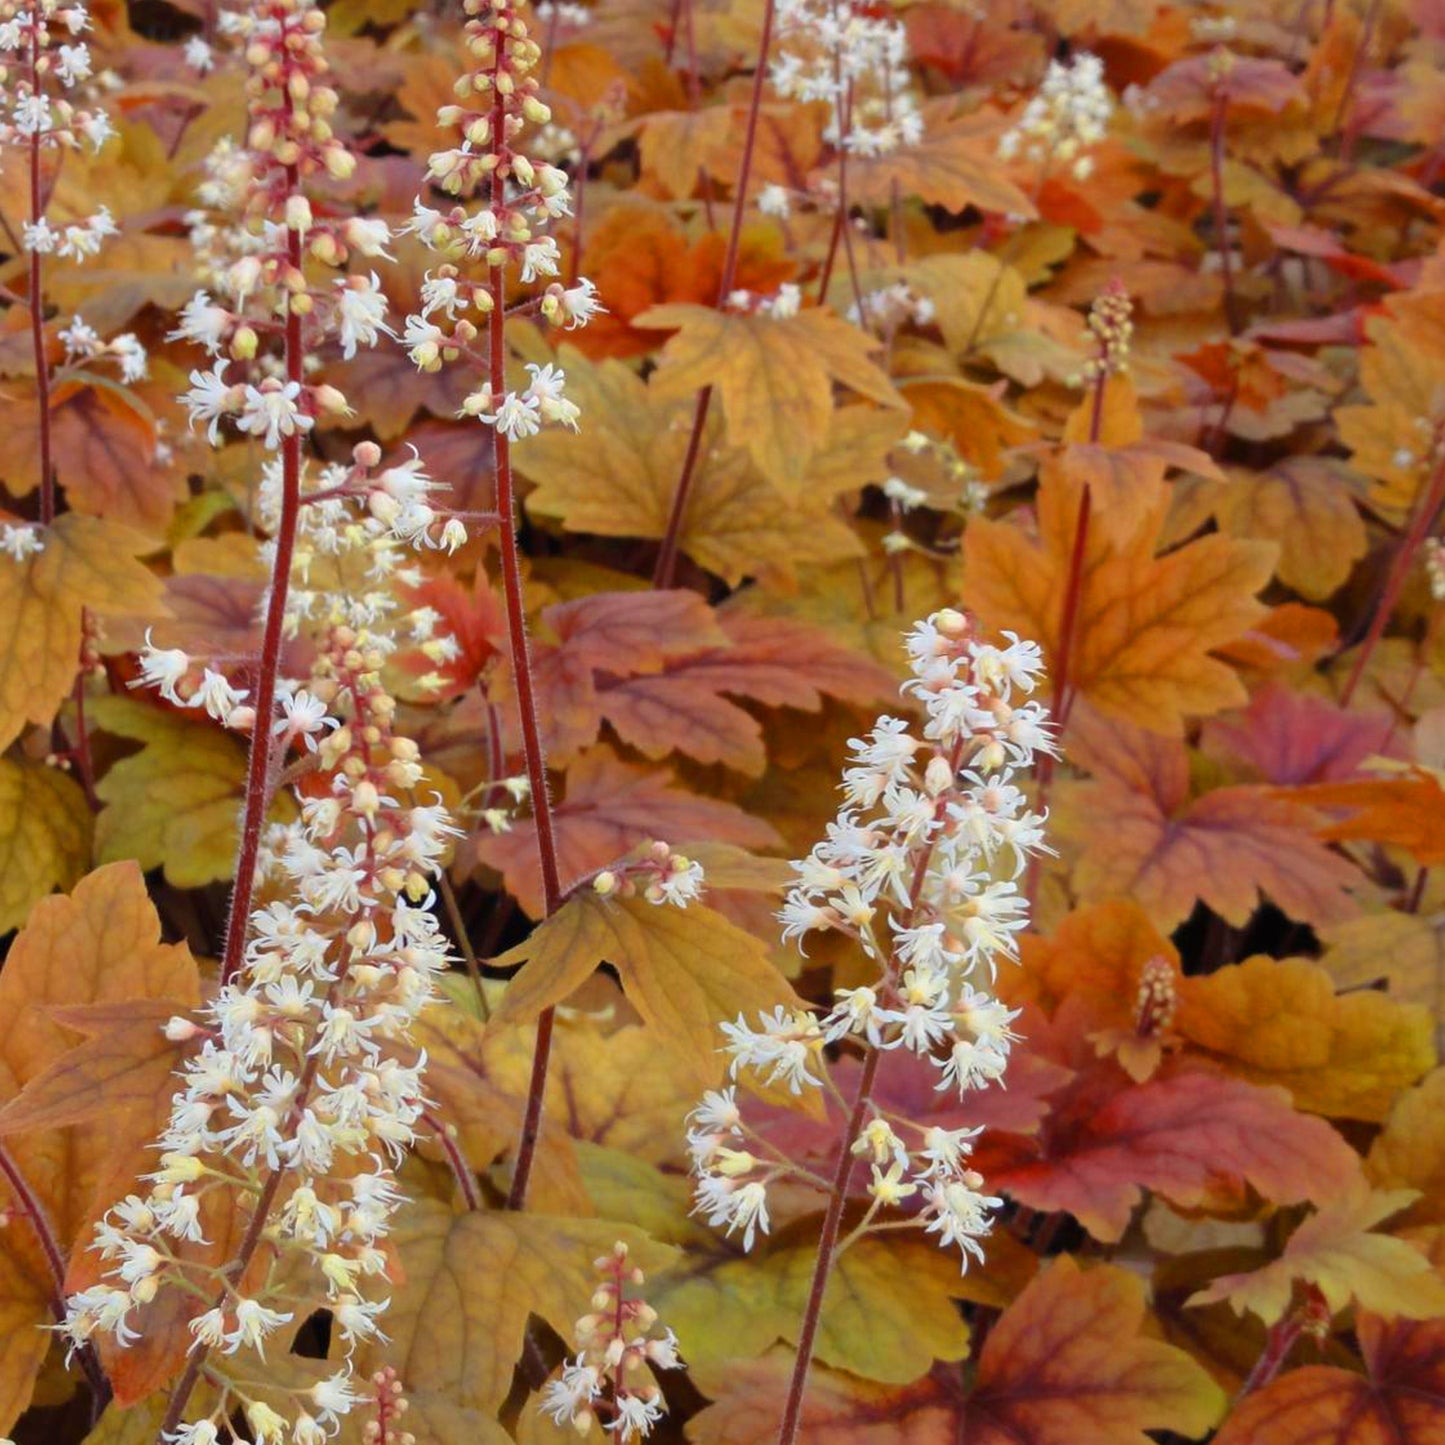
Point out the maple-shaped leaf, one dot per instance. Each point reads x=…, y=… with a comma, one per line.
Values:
x=618, y=480
x=684, y=970
x=1280, y=1021
x=635, y=632
x=1307, y=506
x=1409, y=1152
x=1289, y=737
x=609, y=807
x=1404, y=811
x=774, y=376
x=458, y=1319
x=1069, y=1361
x=1146, y=624
x=1337, y=1251
x=1399, y=1399
x=1143, y=837
x=953, y=164
x=175, y=803
x=1186, y=1135
x=85, y=563
x=97, y=947
x=105, y=456
x=45, y=832
x=670, y=694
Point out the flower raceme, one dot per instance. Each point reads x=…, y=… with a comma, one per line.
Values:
x=516, y=198
x=608, y=1380
x=920, y=869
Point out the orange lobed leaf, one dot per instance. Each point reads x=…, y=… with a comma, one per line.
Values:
x=1146, y=625
x=774, y=377
x=1402, y=811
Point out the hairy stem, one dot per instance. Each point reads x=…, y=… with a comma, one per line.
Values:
x=258, y=767
x=514, y=599
x=666, y=568
x=1278, y=1343
x=1221, y=211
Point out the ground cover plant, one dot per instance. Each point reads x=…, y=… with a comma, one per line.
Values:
x=722, y=720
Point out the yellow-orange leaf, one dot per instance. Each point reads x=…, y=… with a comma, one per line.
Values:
x=684, y=969
x=1410, y=1151
x=1337, y=1251
x=44, y=836
x=774, y=377
x=86, y=563
x=1069, y=1362
x=618, y=479
x=1145, y=624
x=458, y=1319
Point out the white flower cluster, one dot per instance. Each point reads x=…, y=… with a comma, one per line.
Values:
x=615, y=1345
x=1069, y=115
x=857, y=61
x=296, y=1102
x=657, y=874
x=517, y=196
x=920, y=868
x=256, y=269
x=50, y=65
x=83, y=343
x=21, y=541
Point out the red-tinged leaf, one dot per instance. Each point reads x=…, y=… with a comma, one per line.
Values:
x=609, y=807
x=1069, y=1362
x=1186, y=90
x=105, y=457
x=678, y=712
x=474, y=617
x=634, y=632
x=1143, y=838
x=1290, y=737
x=1188, y=1136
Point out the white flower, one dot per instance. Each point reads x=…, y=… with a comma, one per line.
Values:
x=579, y=1386
x=774, y=200
x=210, y=398
x=203, y=322
x=73, y=63
x=636, y=1415
x=272, y=411
x=303, y=715
x=134, y=364
x=253, y=1323
x=20, y=542
x=39, y=237
x=162, y=668
x=362, y=308
x=198, y=55
x=546, y=390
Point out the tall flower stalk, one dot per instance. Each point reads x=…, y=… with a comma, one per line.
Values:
x=514, y=199
x=921, y=870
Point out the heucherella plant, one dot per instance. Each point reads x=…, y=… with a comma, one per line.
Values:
x=920, y=868
x=50, y=105
x=503, y=234
x=608, y=1382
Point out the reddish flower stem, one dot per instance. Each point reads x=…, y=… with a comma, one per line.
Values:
x=37, y=297
x=1426, y=508
x=258, y=767
x=666, y=568
x=456, y=1160
x=514, y=600
x=827, y=1247
x=1278, y=1343
x=1221, y=211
